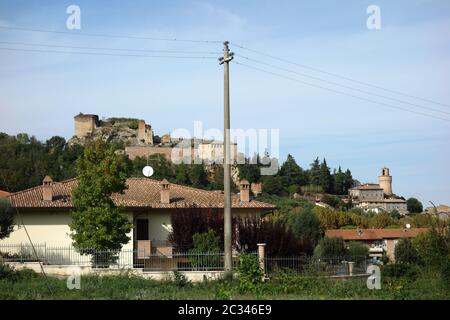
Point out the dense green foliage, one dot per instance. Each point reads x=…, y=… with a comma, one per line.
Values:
x=331, y=247
x=249, y=271
x=414, y=205
x=424, y=285
x=25, y=161
x=279, y=240
x=291, y=178
x=205, y=242
x=406, y=252
x=305, y=225
x=96, y=222
x=186, y=222
x=6, y=218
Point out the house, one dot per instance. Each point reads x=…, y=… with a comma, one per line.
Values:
x=442, y=211
x=4, y=194
x=378, y=197
x=46, y=210
x=380, y=241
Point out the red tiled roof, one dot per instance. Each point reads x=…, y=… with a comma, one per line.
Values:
x=374, y=234
x=141, y=192
x=4, y=194
x=368, y=186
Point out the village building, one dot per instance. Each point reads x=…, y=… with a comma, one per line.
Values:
x=379, y=241
x=378, y=197
x=46, y=211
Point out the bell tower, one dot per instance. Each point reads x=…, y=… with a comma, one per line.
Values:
x=385, y=181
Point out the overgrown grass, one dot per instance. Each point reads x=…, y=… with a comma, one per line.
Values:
x=427, y=285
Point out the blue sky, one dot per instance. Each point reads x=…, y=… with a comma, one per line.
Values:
x=41, y=92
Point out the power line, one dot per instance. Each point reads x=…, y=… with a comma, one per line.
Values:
x=343, y=86
x=337, y=75
x=105, y=48
x=103, y=35
x=105, y=54
x=340, y=92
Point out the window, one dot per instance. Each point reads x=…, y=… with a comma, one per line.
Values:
x=142, y=229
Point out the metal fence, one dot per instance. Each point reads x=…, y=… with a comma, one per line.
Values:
x=327, y=266
x=178, y=261
x=125, y=258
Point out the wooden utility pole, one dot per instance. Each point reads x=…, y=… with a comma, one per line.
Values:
x=228, y=261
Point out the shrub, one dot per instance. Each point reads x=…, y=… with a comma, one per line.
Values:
x=399, y=270
x=432, y=248
x=305, y=225
x=6, y=218
x=414, y=205
x=279, y=240
x=188, y=221
x=250, y=274
x=7, y=273
x=357, y=251
x=206, y=242
x=333, y=247
x=205, y=250
x=180, y=279
x=381, y=220
x=405, y=252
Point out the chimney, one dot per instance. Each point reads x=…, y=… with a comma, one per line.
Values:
x=244, y=187
x=165, y=192
x=47, y=189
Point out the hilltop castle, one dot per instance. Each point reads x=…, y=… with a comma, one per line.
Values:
x=138, y=138
x=129, y=131
x=378, y=197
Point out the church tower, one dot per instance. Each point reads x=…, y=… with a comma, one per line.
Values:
x=385, y=181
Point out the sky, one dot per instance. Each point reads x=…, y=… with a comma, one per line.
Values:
x=40, y=92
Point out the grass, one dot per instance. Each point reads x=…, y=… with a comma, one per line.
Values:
x=29, y=285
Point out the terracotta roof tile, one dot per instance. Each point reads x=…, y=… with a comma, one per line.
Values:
x=141, y=192
x=374, y=234
x=4, y=194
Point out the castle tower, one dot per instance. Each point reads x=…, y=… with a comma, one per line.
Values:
x=85, y=124
x=145, y=132
x=385, y=181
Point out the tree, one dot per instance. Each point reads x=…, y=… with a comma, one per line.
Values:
x=6, y=218
x=182, y=173
x=249, y=171
x=357, y=251
x=291, y=171
x=325, y=178
x=381, y=220
x=198, y=176
x=186, y=222
x=314, y=172
x=349, y=182
x=273, y=185
x=414, y=205
x=432, y=247
x=406, y=252
x=97, y=224
x=305, y=225
x=339, y=179
x=333, y=247
x=205, y=242
x=278, y=238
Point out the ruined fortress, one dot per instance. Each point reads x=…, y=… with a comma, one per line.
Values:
x=128, y=131
x=138, y=139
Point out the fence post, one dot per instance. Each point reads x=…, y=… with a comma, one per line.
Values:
x=350, y=268
x=262, y=258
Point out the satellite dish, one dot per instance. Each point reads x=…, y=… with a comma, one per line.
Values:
x=408, y=226
x=147, y=171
